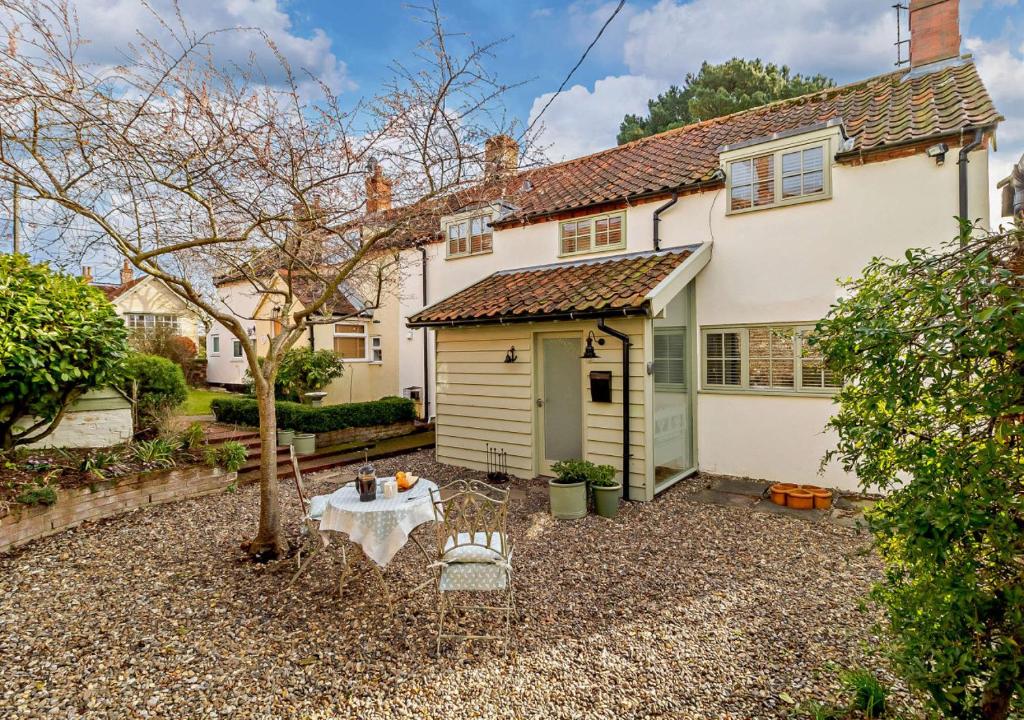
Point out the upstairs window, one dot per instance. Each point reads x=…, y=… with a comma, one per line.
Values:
x=236, y=348
x=215, y=344
x=593, y=234
x=471, y=236
x=765, y=358
x=784, y=177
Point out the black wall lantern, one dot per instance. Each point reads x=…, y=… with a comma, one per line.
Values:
x=510, y=356
x=588, y=352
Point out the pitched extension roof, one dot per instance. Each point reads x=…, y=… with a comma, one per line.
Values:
x=897, y=108
x=620, y=284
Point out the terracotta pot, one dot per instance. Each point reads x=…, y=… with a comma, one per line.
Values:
x=810, y=488
x=779, y=491
x=799, y=499
x=822, y=498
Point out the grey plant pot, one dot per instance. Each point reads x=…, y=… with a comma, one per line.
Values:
x=305, y=443
x=285, y=437
x=568, y=502
x=606, y=500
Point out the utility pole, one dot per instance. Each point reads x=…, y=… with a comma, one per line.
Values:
x=14, y=220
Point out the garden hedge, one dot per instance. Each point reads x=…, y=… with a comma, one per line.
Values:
x=310, y=419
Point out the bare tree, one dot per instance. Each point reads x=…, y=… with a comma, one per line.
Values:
x=192, y=168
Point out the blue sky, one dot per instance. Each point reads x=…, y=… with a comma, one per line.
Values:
x=650, y=45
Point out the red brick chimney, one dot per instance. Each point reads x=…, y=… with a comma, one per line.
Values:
x=86, y=274
x=501, y=157
x=378, y=191
x=127, y=274
x=934, y=31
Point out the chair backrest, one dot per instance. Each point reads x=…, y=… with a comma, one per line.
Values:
x=468, y=511
x=300, y=488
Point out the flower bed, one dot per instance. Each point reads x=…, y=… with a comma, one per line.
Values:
x=20, y=523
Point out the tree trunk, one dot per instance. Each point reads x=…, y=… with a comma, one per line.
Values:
x=269, y=543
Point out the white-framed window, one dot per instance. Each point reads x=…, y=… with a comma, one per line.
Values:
x=350, y=341
x=152, y=321
x=376, y=349
x=470, y=236
x=215, y=344
x=592, y=234
x=764, y=358
x=236, y=348
x=670, y=361
x=782, y=177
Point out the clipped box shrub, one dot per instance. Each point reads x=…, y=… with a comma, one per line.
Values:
x=310, y=419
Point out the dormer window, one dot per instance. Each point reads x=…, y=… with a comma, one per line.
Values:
x=592, y=234
x=783, y=177
x=470, y=236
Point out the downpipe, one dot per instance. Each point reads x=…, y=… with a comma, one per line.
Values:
x=961, y=165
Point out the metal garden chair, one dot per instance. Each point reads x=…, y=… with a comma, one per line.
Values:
x=474, y=553
x=310, y=530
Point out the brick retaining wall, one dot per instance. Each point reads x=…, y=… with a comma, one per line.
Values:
x=370, y=432
x=107, y=498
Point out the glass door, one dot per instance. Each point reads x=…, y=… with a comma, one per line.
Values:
x=559, y=400
x=674, y=386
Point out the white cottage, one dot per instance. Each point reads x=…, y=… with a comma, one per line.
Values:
x=709, y=251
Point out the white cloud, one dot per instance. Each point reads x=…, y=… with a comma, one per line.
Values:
x=838, y=37
x=581, y=121
x=849, y=39
x=111, y=26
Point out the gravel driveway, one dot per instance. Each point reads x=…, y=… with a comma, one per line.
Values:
x=674, y=609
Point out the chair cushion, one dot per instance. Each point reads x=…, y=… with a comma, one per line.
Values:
x=472, y=565
x=317, y=506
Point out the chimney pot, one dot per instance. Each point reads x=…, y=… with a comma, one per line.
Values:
x=86, y=274
x=501, y=157
x=378, y=191
x=127, y=274
x=934, y=31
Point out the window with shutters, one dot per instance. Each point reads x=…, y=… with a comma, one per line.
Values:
x=350, y=341
x=765, y=358
x=592, y=234
x=787, y=176
x=470, y=236
x=670, y=359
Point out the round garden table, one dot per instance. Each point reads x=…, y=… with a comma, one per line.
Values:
x=381, y=527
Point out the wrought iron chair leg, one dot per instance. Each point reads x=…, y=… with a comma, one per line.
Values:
x=304, y=566
x=440, y=621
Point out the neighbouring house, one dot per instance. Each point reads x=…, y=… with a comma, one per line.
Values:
x=364, y=329
x=146, y=304
x=649, y=306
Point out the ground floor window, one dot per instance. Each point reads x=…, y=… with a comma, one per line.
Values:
x=376, y=349
x=152, y=321
x=350, y=341
x=776, y=358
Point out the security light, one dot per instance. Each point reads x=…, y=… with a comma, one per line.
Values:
x=938, y=152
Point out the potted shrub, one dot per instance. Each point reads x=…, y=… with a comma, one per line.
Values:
x=606, y=490
x=567, y=491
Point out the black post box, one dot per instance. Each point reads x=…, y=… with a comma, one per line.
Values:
x=601, y=385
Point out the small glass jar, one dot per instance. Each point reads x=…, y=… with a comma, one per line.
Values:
x=366, y=483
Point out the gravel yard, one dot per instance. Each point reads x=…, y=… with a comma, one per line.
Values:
x=674, y=609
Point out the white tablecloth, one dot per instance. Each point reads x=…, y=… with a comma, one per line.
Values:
x=382, y=526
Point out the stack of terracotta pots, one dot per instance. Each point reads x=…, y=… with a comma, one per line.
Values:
x=801, y=497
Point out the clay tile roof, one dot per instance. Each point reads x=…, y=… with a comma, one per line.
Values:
x=114, y=291
x=619, y=283
x=308, y=290
x=900, y=107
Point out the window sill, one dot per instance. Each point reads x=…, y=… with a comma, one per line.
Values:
x=780, y=204
x=820, y=394
x=462, y=256
x=602, y=251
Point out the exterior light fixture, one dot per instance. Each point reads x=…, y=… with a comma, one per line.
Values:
x=589, y=353
x=510, y=356
x=938, y=151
